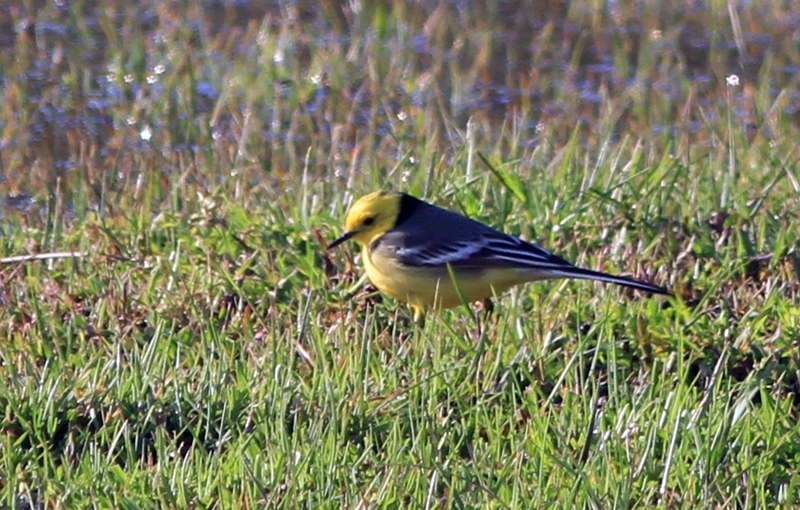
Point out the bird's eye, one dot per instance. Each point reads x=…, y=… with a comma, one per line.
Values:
x=369, y=221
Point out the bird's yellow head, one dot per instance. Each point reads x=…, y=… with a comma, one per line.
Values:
x=370, y=217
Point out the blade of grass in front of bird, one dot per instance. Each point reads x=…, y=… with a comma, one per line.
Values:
x=460, y=293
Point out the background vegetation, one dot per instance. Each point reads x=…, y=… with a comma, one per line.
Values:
x=203, y=350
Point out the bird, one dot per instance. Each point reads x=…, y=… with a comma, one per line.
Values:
x=433, y=258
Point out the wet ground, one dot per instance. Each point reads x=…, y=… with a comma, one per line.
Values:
x=83, y=86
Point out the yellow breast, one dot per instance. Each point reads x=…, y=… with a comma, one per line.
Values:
x=433, y=287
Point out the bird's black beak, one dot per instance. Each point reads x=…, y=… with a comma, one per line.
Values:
x=345, y=237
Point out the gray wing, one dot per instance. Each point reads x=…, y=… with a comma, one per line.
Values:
x=463, y=243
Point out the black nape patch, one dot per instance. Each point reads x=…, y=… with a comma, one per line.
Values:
x=408, y=205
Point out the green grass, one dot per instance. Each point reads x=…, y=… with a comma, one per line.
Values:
x=208, y=352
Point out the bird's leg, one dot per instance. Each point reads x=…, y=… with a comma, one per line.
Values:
x=419, y=315
x=487, y=307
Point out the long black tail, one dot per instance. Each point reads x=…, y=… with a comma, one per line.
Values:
x=588, y=274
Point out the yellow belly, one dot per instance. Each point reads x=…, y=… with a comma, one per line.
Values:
x=434, y=288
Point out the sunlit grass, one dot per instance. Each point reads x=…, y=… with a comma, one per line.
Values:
x=207, y=350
